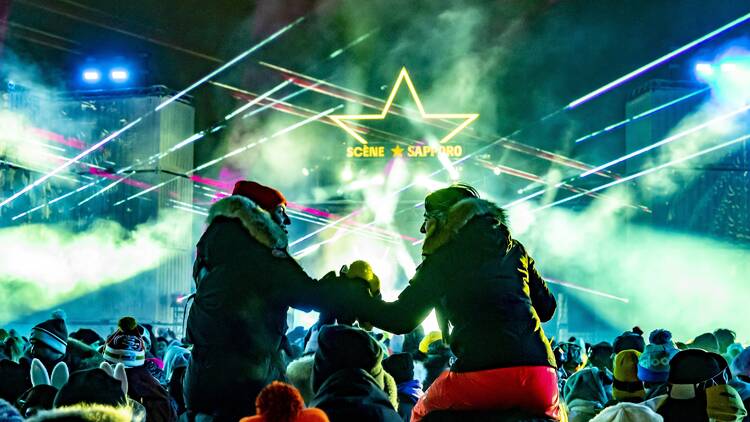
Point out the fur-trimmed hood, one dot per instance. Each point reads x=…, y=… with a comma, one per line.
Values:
x=457, y=217
x=256, y=220
x=299, y=373
x=90, y=412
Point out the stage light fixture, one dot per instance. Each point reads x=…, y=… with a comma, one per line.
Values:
x=729, y=68
x=704, y=69
x=91, y=76
x=119, y=75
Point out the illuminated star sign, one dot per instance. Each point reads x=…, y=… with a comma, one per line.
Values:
x=403, y=76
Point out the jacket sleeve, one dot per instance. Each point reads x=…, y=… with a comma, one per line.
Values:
x=541, y=298
x=331, y=294
x=413, y=304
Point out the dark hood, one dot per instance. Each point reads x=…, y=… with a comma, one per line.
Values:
x=353, y=395
x=344, y=347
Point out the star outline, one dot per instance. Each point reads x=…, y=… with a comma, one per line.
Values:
x=403, y=76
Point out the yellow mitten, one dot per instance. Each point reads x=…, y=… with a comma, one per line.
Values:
x=363, y=270
x=724, y=404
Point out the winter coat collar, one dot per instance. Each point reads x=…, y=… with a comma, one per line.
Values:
x=457, y=217
x=256, y=220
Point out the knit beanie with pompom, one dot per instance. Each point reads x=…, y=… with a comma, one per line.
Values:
x=126, y=344
x=653, y=364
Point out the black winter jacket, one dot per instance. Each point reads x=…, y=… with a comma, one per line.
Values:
x=246, y=282
x=489, y=297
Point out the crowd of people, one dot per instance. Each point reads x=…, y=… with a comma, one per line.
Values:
x=366, y=359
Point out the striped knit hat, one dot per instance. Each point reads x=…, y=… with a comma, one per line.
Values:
x=126, y=344
x=52, y=332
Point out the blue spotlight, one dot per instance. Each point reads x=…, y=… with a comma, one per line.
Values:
x=704, y=70
x=119, y=75
x=91, y=76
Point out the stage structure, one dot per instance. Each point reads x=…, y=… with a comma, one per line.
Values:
x=80, y=119
x=713, y=194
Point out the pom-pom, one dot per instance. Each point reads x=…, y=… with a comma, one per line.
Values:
x=638, y=330
x=127, y=323
x=660, y=336
x=59, y=314
x=279, y=402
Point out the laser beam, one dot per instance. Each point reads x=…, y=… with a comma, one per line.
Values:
x=230, y=63
x=586, y=289
x=647, y=171
x=159, y=107
x=669, y=139
x=67, y=164
x=230, y=154
x=645, y=68
x=337, y=91
x=642, y=115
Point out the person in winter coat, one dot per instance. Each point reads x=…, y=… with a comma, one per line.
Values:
x=281, y=402
x=49, y=342
x=176, y=361
x=725, y=338
x=51, y=345
x=8, y=413
x=245, y=283
x=705, y=341
x=126, y=346
x=653, y=364
x=348, y=377
x=437, y=360
x=401, y=367
x=87, y=336
x=15, y=380
x=628, y=412
x=741, y=376
x=626, y=387
x=601, y=356
x=13, y=346
x=698, y=390
x=629, y=340
x=585, y=393
x=299, y=373
x=484, y=285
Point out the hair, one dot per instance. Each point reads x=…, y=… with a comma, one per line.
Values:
x=12, y=348
x=725, y=337
x=279, y=402
x=468, y=189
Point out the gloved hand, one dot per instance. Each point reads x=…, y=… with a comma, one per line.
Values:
x=361, y=270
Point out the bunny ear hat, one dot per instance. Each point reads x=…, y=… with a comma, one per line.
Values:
x=40, y=376
x=117, y=372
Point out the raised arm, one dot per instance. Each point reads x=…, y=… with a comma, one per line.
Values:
x=413, y=304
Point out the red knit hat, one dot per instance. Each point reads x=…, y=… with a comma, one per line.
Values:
x=266, y=198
